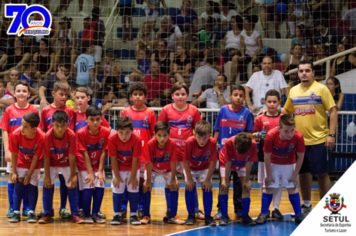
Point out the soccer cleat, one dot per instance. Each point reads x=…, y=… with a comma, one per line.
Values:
x=31, y=218
x=45, y=219
x=261, y=219
x=103, y=216
x=145, y=220
x=298, y=219
x=16, y=218
x=88, y=220
x=140, y=214
x=64, y=214
x=10, y=213
x=306, y=209
x=98, y=219
x=166, y=217
x=116, y=220
x=199, y=215
x=209, y=221
x=246, y=220
x=190, y=220
x=39, y=215
x=134, y=220
x=81, y=213
x=276, y=214
x=218, y=215
x=176, y=220
x=123, y=213
x=224, y=220
x=24, y=213
x=76, y=219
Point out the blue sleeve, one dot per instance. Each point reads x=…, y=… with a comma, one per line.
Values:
x=217, y=122
x=147, y=67
x=249, y=125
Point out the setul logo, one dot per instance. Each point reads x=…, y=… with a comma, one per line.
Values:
x=305, y=111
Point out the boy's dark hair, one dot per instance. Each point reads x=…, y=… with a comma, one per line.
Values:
x=237, y=87
x=162, y=125
x=202, y=128
x=82, y=89
x=272, y=93
x=95, y=12
x=24, y=83
x=28, y=64
x=124, y=122
x=65, y=64
x=61, y=85
x=268, y=56
x=239, y=21
x=138, y=86
x=306, y=62
x=2, y=82
x=93, y=111
x=60, y=116
x=85, y=45
x=243, y=143
x=178, y=86
x=287, y=120
x=222, y=75
x=211, y=60
x=32, y=118
x=110, y=54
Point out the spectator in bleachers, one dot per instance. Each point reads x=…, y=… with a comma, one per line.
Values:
x=293, y=60
x=298, y=11
x=205, y=36
x=5, y=99
x=157, y=82
x=81, y=12
x=210, y=52
x=108, y=100
x=44, y=59
x=85, y=67
x=326, y=35
x=169, y=32
x=65, y=29
x=114, y=81
x=62, y=4
x=334, y=86
x=228, y=10
x=99, y=40
x=268, y=12
x=152, y=9
x=14, y=75
x=211, y=10
x=127, y=8
x=321, y=9
x=320, y=70
x=182, y=65
x=109, y=64
x=5, y=39
x=344, y=63
x=301, y=40
x=164, y=57
x=29, y=72
x=66, y=53
x=145, y=37
x=143, y=66
x=80, y=33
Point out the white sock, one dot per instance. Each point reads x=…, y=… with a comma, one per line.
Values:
x=291, y=27
x=17, y=212
x=133, y=213
x=307, y=203
x=117, y=214
x=277, y=198
x=30, y=211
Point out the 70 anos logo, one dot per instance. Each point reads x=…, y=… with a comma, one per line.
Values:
x=21, y=14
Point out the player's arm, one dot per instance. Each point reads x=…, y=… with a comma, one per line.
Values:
x=189, y=183
x=14, y=164
x=173, y=186
x=5, y=137
x=269, y=177
x=47, y=179
x=247, y=182
x=87, y=162
x=101, y=176
x=216, y=135
x=294, y=177
x=115, y=168
x=207, y=184
x=225, y=184
x=133, y=180
x=73, y=177
x=33, y=166
x=148, y=183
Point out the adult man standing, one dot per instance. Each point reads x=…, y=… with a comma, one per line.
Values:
x=262, y=81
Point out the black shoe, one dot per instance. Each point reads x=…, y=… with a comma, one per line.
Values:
x=16, y=218
x=31, y=218
x=209, y=221
x=261, y=219
x=298, y=219
x=276, y=214
x=246, y=220
x=116, y=220
x=190, y=220
x=224, y=220
x=306, y=209
x=39, y=215
x=140, y=214
x=134, y=220
x=166, y=217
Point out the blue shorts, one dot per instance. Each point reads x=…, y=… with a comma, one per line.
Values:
x=317, y=160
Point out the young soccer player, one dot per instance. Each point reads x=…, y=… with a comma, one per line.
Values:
x=232, y=119
x=144, y=120
x=10, y=121
x=60, y=94
x=59, y=156
x=199, y=164
x=282, y=168
x=92, y=144
x=263, y=124
x=162, y=158
x=182, y=117
x=125, y=148
x=26, y=147
x=238, y=154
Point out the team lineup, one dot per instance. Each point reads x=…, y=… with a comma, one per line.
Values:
x=75, y=145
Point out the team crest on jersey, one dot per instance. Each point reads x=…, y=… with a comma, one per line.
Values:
x=208, y=154
x=34, y=148
x=145, y=122
x=312, y=96
x=291, y=147
x=241, y=120
x=101, y=142
x=190, y=119
x=167, y=156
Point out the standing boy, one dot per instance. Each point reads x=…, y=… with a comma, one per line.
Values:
x=85, y=65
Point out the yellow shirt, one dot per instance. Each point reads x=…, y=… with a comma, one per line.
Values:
x=309, y=107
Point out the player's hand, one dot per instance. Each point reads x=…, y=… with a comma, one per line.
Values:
x=101, y=178
x=173, y=185
x=26, y=180
x=263, y=134
x=330, y=142
x=8, y=156
x=207, y=185
x=189, y=184
x=294, y=180
x=224, y=186
x=147, y=186
x=261, y=113
x=90, y=179
x=47, y=182
x=253, y=109
x=43, y=103
x=133, y=182
x=269, y=180
x=14, y=178
x=247, y=185
x=73, y=180
x=116, y=182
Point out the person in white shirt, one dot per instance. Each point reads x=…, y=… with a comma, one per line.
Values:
x=212, y=10
x=227, y=11
x=262, y=81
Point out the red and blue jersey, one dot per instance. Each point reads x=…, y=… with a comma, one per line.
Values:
x=93, y=144
x=124, y=152
x=283, y=151
x=58, y=150
x=229, y=123
x=13, y=115
x=26, y=148
x=161, y=158
x=182, y=124
x=143, y=124
x=238, y=161
x=46, y=116
x=200, y=157
x=79, y=121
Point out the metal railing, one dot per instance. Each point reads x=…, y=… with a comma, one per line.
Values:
x=111, y=24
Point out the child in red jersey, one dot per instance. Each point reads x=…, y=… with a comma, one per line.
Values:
x=182, y=117
x=263, y=124
x=26, y=147
x=282, y=167
x=124, y=150
x=238, y=154
x=144, y=120
x=199, y=164
x=10, y=121
x=59, y=156
x=162, y=158
x=92, y=144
